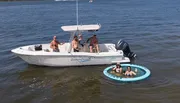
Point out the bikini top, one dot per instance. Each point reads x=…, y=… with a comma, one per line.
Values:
x=128, y=74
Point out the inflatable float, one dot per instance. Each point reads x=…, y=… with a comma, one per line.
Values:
x=141, y=73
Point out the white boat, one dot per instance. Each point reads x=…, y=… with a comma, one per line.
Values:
x=109, y=52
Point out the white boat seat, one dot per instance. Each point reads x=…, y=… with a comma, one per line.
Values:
x=30, y=49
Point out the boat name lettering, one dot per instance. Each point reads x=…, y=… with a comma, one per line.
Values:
x=82, y=59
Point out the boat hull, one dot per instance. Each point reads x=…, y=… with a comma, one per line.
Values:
x=58, y=61
x=108, y=55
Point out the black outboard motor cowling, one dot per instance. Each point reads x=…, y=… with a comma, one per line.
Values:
x=124, y=46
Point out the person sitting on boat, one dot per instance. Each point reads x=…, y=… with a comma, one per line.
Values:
x=54, y=44
x=117, y=68
x=93, y=43
x=75, y=44
x=81, y=40
x=129, y=72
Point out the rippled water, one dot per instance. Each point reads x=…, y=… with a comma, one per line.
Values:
x=152, y=28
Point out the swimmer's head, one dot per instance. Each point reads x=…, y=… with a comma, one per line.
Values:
x=118, y=65
x=129, y=68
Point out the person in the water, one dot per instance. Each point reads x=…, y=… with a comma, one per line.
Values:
x=129, y=72
x=117, y=68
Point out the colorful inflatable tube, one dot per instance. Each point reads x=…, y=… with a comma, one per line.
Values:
x=142, y=73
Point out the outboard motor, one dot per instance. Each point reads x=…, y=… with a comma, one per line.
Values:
x=124, y=46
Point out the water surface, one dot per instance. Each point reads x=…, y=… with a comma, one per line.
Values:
x=151, y=28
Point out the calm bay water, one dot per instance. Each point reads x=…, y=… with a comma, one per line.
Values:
x=152, y=28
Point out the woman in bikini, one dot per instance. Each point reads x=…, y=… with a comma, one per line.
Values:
x=129, y=72
x=118, y=68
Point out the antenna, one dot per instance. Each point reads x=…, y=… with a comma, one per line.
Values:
x=77, y=19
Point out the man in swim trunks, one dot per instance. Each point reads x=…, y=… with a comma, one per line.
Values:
x=75, y=44
x=54, y=44
x=93, y=43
